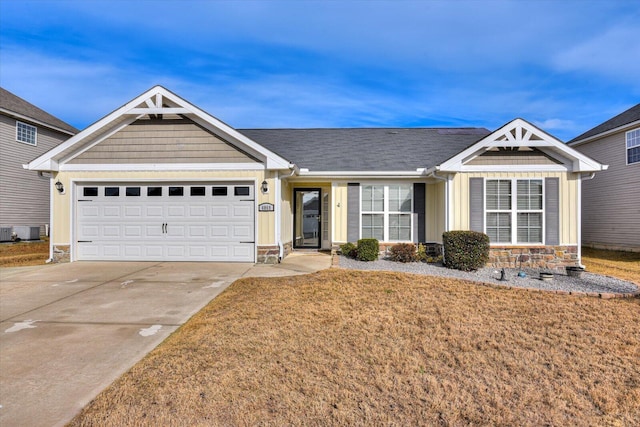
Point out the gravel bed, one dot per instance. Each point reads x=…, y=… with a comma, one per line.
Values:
x=588, y=282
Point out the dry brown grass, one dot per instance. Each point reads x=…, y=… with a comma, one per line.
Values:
x=372, y=348
x=23, y=254
x=623, y=265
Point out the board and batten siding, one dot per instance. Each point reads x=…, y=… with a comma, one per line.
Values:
x=435, y=212
x=611, y=200
x=24, y=196
x=62, y=203
x=568, y=199
x=163, y=141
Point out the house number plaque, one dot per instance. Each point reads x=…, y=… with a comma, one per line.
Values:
x=265, y=207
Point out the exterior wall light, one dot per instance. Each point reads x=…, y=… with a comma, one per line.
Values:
x=264, y=187
x=59, y=187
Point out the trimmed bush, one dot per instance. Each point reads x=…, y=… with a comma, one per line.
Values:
x=368, y=249
x=349, y=250
x=465, y=250
x=403, y=252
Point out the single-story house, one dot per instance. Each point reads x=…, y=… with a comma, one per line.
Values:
x=26, y=132
x=161, y=179
x=611, y=200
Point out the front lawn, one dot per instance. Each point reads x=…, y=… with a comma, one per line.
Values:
x=345, y=347
x=620, y=264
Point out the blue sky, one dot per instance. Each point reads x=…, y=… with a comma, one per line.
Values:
x=564, y=65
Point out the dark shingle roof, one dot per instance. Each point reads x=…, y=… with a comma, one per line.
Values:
x=366, y=149
x=15, y=104
x=631, y=115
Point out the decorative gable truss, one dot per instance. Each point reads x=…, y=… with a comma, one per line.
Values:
x=519, y=146
x=157, y=105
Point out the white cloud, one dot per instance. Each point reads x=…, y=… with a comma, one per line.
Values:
x=614, y=53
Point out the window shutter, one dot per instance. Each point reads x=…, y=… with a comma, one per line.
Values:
x=476, y=204
x=353, y=211
x=552, y=211
x=419, y=207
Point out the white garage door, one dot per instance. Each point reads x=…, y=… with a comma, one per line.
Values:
x=166, y=222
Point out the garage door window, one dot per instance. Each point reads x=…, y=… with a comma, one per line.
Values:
x=154, y=191
x=241, y=191
x=219, y=191
x=176, y=191
x=197, y=191
x=112, y=191
x=133, y=192
x=90, y=192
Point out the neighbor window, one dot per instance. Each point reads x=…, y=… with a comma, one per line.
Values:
x=26, y=133
x=633, y=146
x=514, y=202
x=386, y=212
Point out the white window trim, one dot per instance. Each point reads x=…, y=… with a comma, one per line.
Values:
x=514, y=212
x=35, y=134
x=627, y=148
x=386, y=212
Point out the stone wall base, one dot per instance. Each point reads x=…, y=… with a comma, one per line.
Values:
x=61, y=253
x=271, y=254
x=548, y=257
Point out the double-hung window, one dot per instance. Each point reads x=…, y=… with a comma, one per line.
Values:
x=514, y=210
x=26, y=133
x=387, y=212
x=633, y=146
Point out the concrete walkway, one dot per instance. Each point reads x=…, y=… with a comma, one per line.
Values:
x=67, y=331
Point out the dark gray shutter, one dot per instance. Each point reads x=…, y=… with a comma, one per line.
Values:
x=419, y=207
x=353, y=211
x=476, y=204
x=552, y=211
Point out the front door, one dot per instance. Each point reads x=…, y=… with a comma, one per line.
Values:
x=306, y=218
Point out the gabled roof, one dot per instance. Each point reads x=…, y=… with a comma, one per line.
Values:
x=628, y=117
x=159, y=102
x=17, y=107
x=520, y=133
x=366, y=149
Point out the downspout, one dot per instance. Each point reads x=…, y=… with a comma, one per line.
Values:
x=590, y=177
x=51, y=194
x=277, y=215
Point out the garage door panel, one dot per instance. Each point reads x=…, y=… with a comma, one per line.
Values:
x=156, y=228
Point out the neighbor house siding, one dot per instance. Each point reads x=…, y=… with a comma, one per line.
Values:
x=24, y=196
x=611, y=200
x=166, y=141
x=568, y=199
x=62, y=203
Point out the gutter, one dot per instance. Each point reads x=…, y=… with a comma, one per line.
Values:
x=583, y=178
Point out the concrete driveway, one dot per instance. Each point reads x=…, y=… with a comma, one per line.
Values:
x=67, y=331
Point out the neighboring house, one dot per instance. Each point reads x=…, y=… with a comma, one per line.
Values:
x=161, y=179
x=26, y=132
x=611, y=200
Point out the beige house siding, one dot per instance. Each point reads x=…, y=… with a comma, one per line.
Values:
x=611, y=200
x=63, y=203
x=526, y=157
x=340, y=213
x=24, y=196
x=435, y=212
x=163, y=141
x=568, y=192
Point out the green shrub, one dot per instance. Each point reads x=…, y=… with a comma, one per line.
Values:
x=421, y=253
x=403, y=252
x=349, y=250
x=433, y=259
x=465, y=250
x=368, y=249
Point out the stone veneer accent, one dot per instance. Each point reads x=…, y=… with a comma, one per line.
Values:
x=549, y=257
x=270, y=254
x=61, y=253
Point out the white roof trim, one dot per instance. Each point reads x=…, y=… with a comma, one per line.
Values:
x=152, y=102
x=34, y=121
x=605, y=134
x=519, y=133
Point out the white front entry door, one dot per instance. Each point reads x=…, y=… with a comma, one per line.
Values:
x=165, y=222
